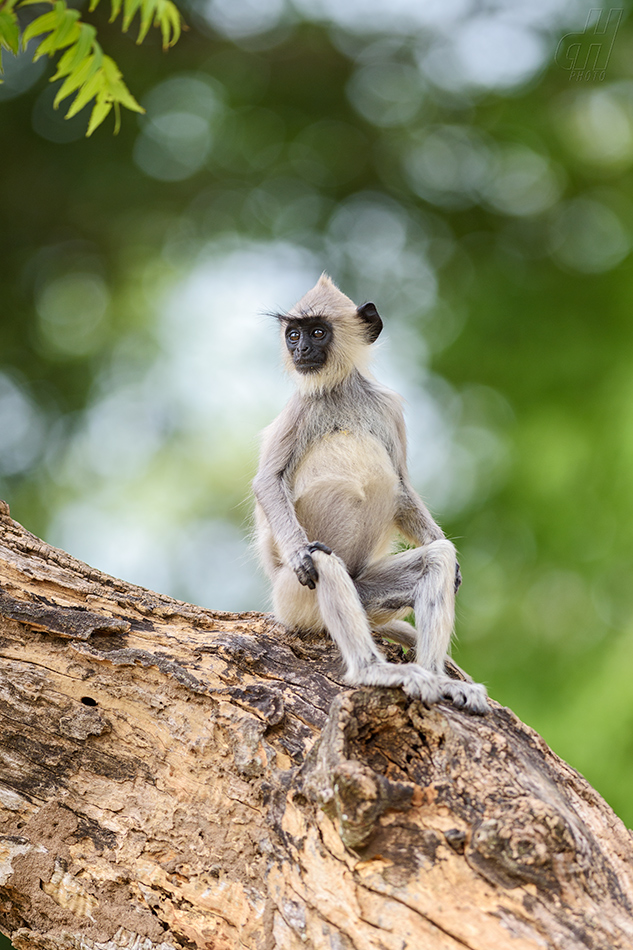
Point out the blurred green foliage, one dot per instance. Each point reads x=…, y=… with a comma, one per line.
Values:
x=489, y=216
x=88, y=74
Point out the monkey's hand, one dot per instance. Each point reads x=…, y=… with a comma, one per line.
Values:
x=302, y=564
x=458, y=577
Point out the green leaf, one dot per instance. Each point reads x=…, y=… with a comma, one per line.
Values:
x=9, y=32
x=111, y=71
x=117, y=118
x=87, y=92
x=171, y=18
x=83, y=66
x=58, y=39
x=42, y=24
x=125, y=97
x=84, y=72
x=63, y=27
x=108, y=86
x=68, y=31
x=129, y=10
x=166, y=15
x=116, y=9
x=147, y=12
x=100, y=112
x=77, y=53
x=117, y=88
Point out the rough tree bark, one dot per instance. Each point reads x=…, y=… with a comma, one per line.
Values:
x=176, y=777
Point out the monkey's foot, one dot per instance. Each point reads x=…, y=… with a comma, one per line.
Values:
x=471, y=696
x=414, y=680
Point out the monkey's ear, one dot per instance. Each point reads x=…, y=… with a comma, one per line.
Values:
x=370, y=316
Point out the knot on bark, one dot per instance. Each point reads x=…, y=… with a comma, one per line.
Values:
x=351, y=792
x=84, y=723
x=525, y=846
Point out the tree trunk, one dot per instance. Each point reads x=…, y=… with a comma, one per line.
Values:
x=177, y=777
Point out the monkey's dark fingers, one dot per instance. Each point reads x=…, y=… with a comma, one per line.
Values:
x=458, y=577
x=317, y=546
x=303, y=566
x=306, y=572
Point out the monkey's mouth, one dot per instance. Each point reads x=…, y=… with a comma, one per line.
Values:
x=308, y=367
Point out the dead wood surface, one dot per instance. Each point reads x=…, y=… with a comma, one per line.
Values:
x=174, y=777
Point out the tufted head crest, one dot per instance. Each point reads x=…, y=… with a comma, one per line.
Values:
x=355, y=328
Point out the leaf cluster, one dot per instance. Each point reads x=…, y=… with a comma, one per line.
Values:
x=88, y=73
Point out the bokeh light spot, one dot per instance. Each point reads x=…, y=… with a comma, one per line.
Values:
x=597, y=124
x=177, y=130
x=450, y=165
x=19, y=72
x=587, y=236
x=498, y=53
x=21, y=428
x=242, y=18
x=522, y=183
x=386, y=94
x=71, y=311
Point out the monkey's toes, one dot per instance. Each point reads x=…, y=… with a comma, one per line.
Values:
x=414, y=680
x=420, y=684
x=470, y=696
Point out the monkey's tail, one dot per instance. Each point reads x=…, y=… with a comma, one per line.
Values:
x=435, y=605
x=343, y=614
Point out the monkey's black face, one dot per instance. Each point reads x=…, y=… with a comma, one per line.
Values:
x=308, y=342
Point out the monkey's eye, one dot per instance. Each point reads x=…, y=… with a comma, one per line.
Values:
x=318, y=333
x=293, y=336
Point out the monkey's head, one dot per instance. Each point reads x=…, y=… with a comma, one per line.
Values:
x=326, y=336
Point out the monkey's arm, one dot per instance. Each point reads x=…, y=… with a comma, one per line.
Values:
x=413, y=518
x=416, y=523
x=272, y=494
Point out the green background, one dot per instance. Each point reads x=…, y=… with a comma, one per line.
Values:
x=482, y=199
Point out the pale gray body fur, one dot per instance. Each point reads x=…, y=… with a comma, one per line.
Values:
x=333, y=470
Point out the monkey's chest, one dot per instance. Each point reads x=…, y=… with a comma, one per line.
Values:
x=345, y=493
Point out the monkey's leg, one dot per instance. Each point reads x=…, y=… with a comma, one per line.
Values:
x=405, y=634
x=341, y=613
x=423, y=578
x=435, y=605
x=398, y=630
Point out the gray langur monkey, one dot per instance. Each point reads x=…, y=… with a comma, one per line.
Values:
x=332, y=489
